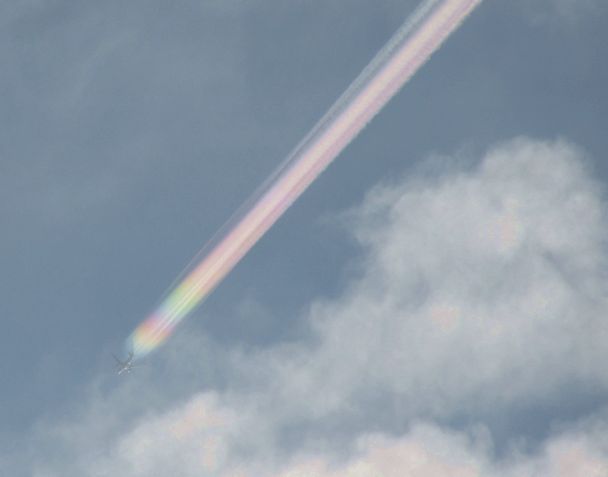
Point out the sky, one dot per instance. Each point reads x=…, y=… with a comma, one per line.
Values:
x=433, y=305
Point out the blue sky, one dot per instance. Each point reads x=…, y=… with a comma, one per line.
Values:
x=439, y=291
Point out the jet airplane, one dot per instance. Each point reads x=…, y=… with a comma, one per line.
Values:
x=125, y=366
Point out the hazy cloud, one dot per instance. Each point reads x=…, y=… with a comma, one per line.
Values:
x=474, y=284
x=428, y=451
x=479, y=293
x=201, y=438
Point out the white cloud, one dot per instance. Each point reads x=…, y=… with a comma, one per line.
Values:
x=192, y=439
x=480, y=291
x=425, y=451
x=198, y=439
x=429, y=451
x=474, y=285
x=202, y=437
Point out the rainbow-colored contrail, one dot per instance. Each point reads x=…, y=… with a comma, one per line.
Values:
x=413, y=44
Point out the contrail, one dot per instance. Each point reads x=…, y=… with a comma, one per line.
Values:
x=412, y=45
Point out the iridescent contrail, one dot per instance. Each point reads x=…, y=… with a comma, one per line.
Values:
x=413, y=44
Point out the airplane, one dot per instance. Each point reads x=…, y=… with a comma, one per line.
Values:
x=125, y=366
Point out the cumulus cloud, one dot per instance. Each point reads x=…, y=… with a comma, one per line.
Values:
x=200, y=438
x=203, y=437
x=428, y=451
x=474, y=284
x=192, y=439
x=479, y=294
